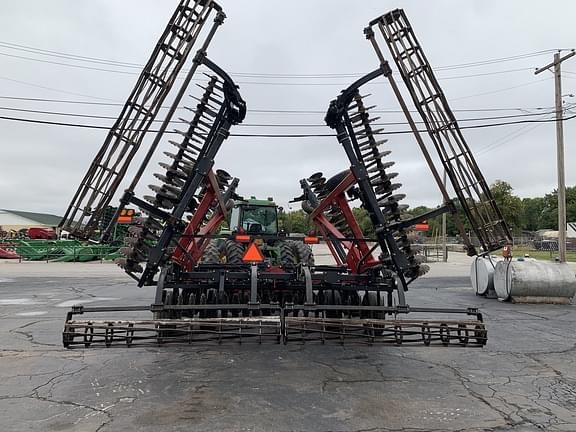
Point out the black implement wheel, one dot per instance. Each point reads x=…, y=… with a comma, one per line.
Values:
x=67, y=336
x=371, y=299
x=235, y=300
x=223, y=299
x=212, y=300
x=330, y=297
x=169, y=297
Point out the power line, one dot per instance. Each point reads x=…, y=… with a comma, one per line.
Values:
x=52, y=89
x=88, y=126
x=498, y=60
x=68, y=64
x=96, y=60
x=269, y=83
x=508, y=138
x=64, y=101
x=266, y=111
x=57, y=90
x=76, y=57
x=528, y=83
x=292, y=125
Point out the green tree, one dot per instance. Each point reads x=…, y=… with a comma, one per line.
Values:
x=532, y=213
x=510, y=205
x=549, y=213
x=364, y=222
x=436, y=223
x=297, y=222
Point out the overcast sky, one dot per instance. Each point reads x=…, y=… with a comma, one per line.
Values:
x=41, y=165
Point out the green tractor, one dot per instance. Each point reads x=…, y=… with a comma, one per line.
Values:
x=255, y=221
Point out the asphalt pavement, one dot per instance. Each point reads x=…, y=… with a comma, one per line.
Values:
x=523, y=380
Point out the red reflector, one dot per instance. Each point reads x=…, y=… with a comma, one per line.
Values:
x=124, y=219
x=253, y=254
x=311, y=240
x=422, y=227
x=242, y=238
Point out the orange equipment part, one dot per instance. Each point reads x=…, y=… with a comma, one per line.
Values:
x=253, y=254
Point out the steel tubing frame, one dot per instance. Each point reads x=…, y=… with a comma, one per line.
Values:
x=124, y=139
x=431, y=103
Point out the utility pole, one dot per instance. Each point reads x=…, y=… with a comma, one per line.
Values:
x=444, y=246
x=559, y=150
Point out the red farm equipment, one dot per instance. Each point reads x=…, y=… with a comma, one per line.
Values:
x=255, y=282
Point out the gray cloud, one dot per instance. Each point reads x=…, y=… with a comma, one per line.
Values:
x=41, y=166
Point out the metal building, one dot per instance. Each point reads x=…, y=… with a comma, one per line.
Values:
x=12, y=221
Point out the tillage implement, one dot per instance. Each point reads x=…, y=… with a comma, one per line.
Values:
x=221, y=266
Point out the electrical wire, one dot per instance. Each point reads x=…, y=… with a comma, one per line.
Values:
x=108, y=62
x=506, y=139
x=68, y=64
x=526, y=84
x=516, y=134
x=88, y=126
x=61, y=54
x=53, y=89
x=99, y=61
x=293, y=125
x=268, y=83
x=263, y=111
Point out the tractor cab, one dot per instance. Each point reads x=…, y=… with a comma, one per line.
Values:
x=255, y=217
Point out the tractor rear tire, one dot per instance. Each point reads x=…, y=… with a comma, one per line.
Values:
x=302, y=252
x=233, y=251
x=287, y=255
x=213, y=253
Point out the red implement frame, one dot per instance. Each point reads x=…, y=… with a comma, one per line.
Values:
x=359, y=257
x=192, y=243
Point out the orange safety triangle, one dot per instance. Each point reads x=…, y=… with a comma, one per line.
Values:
x=253, y=254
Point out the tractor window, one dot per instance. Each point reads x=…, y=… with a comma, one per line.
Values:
x=260, y=219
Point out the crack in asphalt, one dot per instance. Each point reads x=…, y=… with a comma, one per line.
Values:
x=552, y=418
x=465, y=382
x=51, y=383
x=29, y=335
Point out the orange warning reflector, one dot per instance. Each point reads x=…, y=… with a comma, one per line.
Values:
x=311, y=240
x=422, y=227
x=253, y=254
x=242, y=238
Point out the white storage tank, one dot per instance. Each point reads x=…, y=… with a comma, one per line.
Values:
x=482, y=274
x=532, y=281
